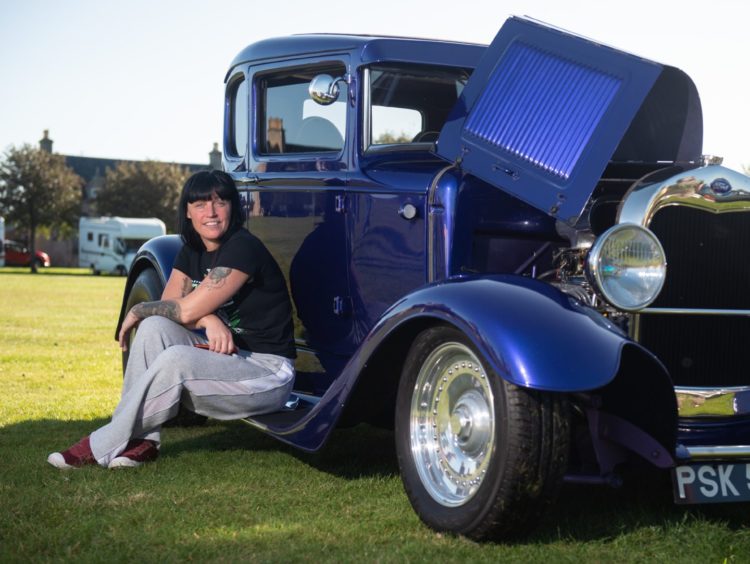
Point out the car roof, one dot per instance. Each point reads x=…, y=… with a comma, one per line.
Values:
x=366, y=48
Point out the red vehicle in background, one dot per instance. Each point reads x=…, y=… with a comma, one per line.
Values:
x=17, y=254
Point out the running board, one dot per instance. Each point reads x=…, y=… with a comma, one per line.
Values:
x=297, y=407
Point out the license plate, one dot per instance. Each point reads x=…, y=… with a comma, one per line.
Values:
x=711, y=483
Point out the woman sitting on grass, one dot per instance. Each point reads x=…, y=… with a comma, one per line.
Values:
x=225, y=282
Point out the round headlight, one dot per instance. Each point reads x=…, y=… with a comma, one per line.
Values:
x=628, y=266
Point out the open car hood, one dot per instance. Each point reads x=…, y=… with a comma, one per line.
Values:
x=546, y=110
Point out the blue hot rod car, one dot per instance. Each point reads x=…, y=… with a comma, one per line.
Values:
x=516, y=254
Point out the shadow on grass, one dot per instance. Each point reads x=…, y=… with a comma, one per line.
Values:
x=580, y=514
x=362, y=451
x=600, y=513
x=353, y=453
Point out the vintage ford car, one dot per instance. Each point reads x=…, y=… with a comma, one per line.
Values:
x=516, y=254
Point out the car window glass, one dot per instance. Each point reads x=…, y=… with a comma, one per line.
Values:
x=292, y=122
x=103, y=240
x=395, y=125
x=238, y=121
x=411, y=103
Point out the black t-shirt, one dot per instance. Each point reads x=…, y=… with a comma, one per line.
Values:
x=260, y=313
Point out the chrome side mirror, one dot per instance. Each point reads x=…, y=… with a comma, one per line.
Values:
x=324, y=89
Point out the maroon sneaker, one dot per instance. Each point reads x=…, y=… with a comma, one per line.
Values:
x=136, y=453
x=76, y=456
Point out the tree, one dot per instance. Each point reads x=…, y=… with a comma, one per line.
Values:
x=388, y=137
x=143, y=189
x=37, y=189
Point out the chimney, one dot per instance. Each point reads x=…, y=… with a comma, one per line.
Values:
x=45, y=143
x=214, y=158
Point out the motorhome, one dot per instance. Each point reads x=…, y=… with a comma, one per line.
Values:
x=109, y=244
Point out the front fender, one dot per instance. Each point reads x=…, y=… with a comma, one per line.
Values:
x=532, y=334
x=157, y=253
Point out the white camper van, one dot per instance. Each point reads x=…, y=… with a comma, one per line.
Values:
x=109, y=244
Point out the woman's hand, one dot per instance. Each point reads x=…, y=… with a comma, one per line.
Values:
x=128, y=324
x=219, y=336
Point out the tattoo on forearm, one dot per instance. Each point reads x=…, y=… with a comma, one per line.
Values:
x=167, y=308
x=187, y=286
x=217, y=277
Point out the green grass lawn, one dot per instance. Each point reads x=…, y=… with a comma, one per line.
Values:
x=225, y=492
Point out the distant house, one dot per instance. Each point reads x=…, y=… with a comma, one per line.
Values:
x=93, y=170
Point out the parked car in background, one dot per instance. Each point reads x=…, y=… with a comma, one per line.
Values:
x=516, y=255
x=17, y=254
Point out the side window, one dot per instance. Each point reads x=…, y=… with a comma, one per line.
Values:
x=291, y=122
x=89, y=236
x=103, y=240
x=238, y=118
x=410, y=104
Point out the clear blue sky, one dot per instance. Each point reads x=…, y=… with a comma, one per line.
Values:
x=143, y=79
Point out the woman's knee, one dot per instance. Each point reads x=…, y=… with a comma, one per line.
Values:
x=156, y=325
x=161, y=330
x=176, y=357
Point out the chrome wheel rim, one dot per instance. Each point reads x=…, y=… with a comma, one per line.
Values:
x=452, y=424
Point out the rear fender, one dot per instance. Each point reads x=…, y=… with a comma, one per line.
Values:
x=157, y=253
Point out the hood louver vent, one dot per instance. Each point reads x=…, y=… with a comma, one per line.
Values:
x=542, y=108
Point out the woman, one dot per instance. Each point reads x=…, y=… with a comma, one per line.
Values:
x=225, y=282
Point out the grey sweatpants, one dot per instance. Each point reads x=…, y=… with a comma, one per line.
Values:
x=164, y=369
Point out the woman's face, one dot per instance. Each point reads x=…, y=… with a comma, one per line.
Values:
x=210, y=219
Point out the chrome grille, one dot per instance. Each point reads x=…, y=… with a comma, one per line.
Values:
x=707, y=257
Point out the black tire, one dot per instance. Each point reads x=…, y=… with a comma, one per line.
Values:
x=490, y=458
x=148, y=288
x=38, y=263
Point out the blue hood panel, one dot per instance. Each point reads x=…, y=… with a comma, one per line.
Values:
x=543, y=113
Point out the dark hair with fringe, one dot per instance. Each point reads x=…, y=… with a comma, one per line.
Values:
x=200, y=186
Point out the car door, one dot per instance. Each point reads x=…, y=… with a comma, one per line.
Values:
x=294, y=193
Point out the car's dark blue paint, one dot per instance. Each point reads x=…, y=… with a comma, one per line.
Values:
x=486, y=231
x=367, y=48
x=352, y=254
x=160, y=252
